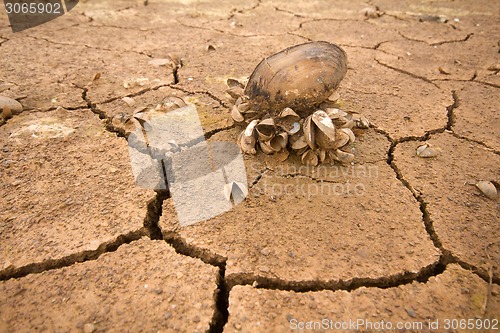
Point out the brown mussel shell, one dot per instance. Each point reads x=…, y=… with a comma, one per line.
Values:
x=299, y=77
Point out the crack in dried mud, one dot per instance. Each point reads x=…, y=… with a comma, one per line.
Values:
x=447, y=257
x=466, y=38
x=276, y=8
x=85, y=255
x=384, y=282
x=415, y=76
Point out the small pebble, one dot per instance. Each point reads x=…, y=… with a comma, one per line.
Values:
x=411, y=312
x=88, y=328
x=265, y=251
x=129, y=100
x=443, y=70
x=159, y=62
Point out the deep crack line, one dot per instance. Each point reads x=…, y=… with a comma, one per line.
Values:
x=450, y=109
x=447, y=257
x=466, y=38
x=86, y=255
x=384, y=282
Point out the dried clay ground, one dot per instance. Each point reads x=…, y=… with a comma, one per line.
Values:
x=392, y=237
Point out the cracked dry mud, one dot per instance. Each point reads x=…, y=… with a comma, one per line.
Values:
x=392, y=237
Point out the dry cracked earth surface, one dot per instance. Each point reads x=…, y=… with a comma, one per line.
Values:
x=392, y=238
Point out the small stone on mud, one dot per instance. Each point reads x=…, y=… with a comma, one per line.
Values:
x=129, y=100
x=88, y=328
x=160, y=62
x=265, y=251
x=443, y=70
x=264, y=269
x=494, y=67
x=426, y=151
x=411, y=312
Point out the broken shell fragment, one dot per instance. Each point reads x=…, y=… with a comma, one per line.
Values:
x=488, y=189
x=266, y=147
x=234, y=83
x=360, y=121
x=236, y=115
x=170, y=103
x=334, y=97
x=298, y=142
x=309, y=158
x=235, y=92
x=309, y=134
x=294, y=129
x=289, y=113
x=426, y=151
x=349, y=133
x=265, y=129
x=322, y=155
x=343, y=157
x=334, y=113
x=235, y=191
x=324, y=130
x=288, y=120
x=279, y=142
x=342, y=138
x=129, y=101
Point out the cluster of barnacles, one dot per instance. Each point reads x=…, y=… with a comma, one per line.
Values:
x=320, y=136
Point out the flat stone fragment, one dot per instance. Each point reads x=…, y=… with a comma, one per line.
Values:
x=142, y=287
x=464, y=220
x=476, y=116
x=440, y=298
x=67, y=189
x=350, y=222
